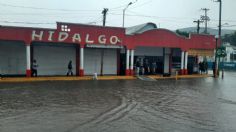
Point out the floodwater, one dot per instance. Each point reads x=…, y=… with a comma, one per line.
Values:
x=186, y=105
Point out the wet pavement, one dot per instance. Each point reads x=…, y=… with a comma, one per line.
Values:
x=186, y=105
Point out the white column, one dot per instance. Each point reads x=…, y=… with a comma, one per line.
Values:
x=81, y=58
x=132, y=60
x=127, y=59
x=182, y=60
x=186, y=60
x=28, y=66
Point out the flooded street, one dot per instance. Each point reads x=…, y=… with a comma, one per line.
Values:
x=186, y=105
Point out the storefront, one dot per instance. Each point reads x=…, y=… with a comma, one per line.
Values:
x=53, y=58
x=96, y=49
x=12, y=58
x=100, y=61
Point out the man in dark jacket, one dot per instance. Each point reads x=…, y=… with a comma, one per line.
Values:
x=34, y=69
x=70, y=69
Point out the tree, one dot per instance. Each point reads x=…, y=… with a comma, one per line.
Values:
x=230, y=38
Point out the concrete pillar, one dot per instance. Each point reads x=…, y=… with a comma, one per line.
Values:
x=132, y=62
x=182, y=63
x=28, y=61
x=166, y=55
x=81, y=70
x=186, y=63
x=127, y=72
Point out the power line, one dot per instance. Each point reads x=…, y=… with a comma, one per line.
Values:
x=112, y=13
x=53, y=9
x=21, y=22
x=142, y=4
x=69, y=10
x=41, y=8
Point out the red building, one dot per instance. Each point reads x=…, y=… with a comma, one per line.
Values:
x=97, y=49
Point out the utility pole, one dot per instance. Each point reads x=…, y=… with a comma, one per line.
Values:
x=205, y=18
x=198, y=25
x=104, y=12
x=220, y=11
x=219, y=39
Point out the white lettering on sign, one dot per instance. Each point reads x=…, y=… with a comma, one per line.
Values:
x=39, y=36
x=62, y=36
x=50, y=35
x=87, y=40
x=114, y=39
x=76, y=37
x=102, y=39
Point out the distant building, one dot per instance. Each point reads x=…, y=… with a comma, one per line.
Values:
x=231, y=53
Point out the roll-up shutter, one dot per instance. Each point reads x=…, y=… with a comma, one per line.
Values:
x=92, y=61
x=110, y=62
x=12, y=58
x=53, y=60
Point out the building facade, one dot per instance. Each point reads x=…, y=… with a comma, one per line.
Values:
x=97, y=49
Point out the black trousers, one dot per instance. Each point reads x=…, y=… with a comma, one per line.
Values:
x=34, y=73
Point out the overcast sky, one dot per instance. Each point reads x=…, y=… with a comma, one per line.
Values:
x=170, y=14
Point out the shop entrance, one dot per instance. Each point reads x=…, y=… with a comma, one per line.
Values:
x=98, y=60
x=148, y=65
x=12, y=58
x=148, y=60
x=53, y=58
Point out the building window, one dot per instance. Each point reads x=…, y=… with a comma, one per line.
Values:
x=65, y=28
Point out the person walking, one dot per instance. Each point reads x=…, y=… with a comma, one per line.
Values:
x=213, y=68
x=154, y=67
x=70, y=69
x=137, y=65
x=146, y=67
x=201, y=67
x=206, y=67
x=34, y=68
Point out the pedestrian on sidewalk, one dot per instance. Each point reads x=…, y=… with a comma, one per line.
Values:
x=213, y=68
x=34, y=68
x=206, y=67
x=70, y=68
x=137, y=65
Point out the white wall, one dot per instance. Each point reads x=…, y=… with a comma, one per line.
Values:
x=12, y=58
x=54, y=58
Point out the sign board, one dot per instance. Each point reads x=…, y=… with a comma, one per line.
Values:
x=221, y=52
x=106, y=46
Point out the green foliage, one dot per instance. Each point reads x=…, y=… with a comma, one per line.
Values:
x=182, y=33
x=230, y=38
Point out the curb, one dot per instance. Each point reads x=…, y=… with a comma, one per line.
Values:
x=86, y=78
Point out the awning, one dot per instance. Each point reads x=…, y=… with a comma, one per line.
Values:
x=200, y=52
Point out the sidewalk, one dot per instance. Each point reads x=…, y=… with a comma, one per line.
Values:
x=181, y=76
x=66, y=78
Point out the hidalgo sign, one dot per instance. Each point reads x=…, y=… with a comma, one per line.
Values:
x=75, y=38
